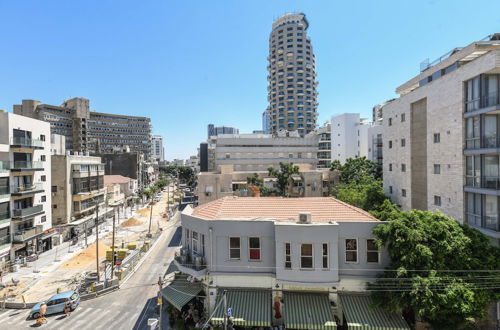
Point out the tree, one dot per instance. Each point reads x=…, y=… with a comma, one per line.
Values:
x=433, y=269
x=186, y=174
x=367, y=194
x=284, y=175
x=357, y=170
x=387, y=211
x=258, y=182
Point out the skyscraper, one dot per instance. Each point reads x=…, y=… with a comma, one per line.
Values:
x=292, y=76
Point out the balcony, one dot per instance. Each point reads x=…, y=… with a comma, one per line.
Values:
x=27, y=212
x=22, y=165
x=26, y=189
x=4, y=192
x=490, y=101
x=4, y=217
x=24, y=142
x=192, y=265
x=4, y=166
x=4, y=241
x=27, y=234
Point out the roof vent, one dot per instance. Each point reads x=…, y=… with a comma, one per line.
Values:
x=304, y=217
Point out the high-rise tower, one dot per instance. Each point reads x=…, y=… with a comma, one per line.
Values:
x=292, y=76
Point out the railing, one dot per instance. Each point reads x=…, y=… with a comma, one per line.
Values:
x=4, y=240
x=26, y=188
x=485, y=101
x=4, y=190
x=4, y=166
x=186, y=261
x=487, y=222
x=27, y=211
x=27, y=142
x=26, y=234
x=4, y=217
x=488, y=182
x=22, y=164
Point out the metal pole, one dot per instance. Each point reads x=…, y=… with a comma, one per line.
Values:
x=85, y=226
x=113, y=251
x=97, y=239
x=160, y=284
x=150, y=216
x=225, y=310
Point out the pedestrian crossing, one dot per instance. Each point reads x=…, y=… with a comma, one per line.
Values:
x=83, y=318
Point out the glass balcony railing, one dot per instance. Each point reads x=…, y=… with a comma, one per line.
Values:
x=24, y=235
x=4, y=190
x=25, y=188
x=485, y=101
x=27, y=142
x=4, y=217
x=4, y=166
x=487, y=182
x=5, y=240
x=20, y=213
x=23, y=165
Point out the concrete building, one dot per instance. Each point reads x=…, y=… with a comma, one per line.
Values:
x=441, y=149
x=77, y=186
x=130, y=165
x=25, y=196
x=194, y=163
x=128, y=186
x=375, y=143
x=213, y=130
x=324, y=146
x=291, y=76
x=157, y=148
x=89, y=131
x=266, y=123
x=299, y=263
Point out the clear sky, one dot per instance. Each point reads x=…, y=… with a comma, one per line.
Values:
x=186, y=63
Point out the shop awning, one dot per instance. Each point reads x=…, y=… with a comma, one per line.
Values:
x=251, y=308
x=296, y=177
x=179, y=292
x=361, y=316
x=308, y=311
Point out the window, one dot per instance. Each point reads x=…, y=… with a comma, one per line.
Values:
x=390, y=121
x=351, y=250
x=43, y=219
x=437, y=169
x=254, y=248
x=188, y=237
x=43, y=178
x=372, y=253
x=306, y=256
x=288, y=256
x=44, y=199
x=54, y=188
x=403, y=117
x=437, y=137
x=437, y=200
x=403, y=142
x=234, y=248
x=42, y=158
x=325, y=255
x=403, y=167
x=403, y=192
x=228, y=156
x=195, y=242
x=390, y=189
x=54, y=206
x=390, y=144
x=390, y=167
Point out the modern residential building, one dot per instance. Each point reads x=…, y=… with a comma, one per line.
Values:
x=324, y=146
x=194, y=163
x=291, y=77
x=25, y=177
x=89, y=131
x=349, y=134
x=375, y=143
x=378, y=112
x=157, y=148
x=441, y=138
x=265, y=122
x=77, y=187
x=213, y=130
x=298, y=263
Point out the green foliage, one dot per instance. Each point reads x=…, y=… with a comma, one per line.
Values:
x=387, y=211
x=258, y=182
x=433, y=244
x=184, y=173
x=357, y=170
x=367, y=195
x=283, y=175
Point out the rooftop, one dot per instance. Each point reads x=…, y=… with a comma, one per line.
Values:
x=322, y=209
x=112, y=179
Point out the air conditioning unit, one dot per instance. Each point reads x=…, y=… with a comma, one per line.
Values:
x=305, y=217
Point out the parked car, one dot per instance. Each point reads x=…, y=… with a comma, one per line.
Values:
x=56, y=303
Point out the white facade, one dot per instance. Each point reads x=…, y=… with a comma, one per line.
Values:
x=25, y=186
x=350, y=137
x=157, y=148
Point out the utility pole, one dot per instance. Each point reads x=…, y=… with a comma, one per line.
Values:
x=160, y=299
x=150, y=216
x=225, y=309
x=113, y=251
x=85, y=228
x=97, y=238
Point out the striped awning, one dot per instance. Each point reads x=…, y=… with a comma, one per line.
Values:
x=360, y=315
x=179, y=292
x=251, y=308
x=308, y=311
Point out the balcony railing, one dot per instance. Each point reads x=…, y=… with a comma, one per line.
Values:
x=485, y=101
x=4, y=217
x=4, y=240
x=4, y=166
x=487, y=182
x=25, y=165
x=27, y=142
x=487, y=222
x=21, y=213
x=193, y=262
x=26, y=188
x=26, y=234
x=4, y=190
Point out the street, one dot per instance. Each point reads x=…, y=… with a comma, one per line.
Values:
x=130, y=307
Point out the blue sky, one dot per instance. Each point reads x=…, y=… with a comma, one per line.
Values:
x=189, y=63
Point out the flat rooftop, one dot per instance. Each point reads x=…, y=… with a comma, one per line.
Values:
x=322, y=209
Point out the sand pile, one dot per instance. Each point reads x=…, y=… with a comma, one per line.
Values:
x=144, y=211
x=86, y=257
x=131, y=222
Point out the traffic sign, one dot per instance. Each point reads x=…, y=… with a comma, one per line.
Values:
x=229, y=311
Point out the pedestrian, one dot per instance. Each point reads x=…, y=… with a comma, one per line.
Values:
x=67, y=308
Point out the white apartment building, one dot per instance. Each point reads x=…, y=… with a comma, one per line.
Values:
x=441, y=138
x=324, y=145
x=25, y=178
x=157, y=148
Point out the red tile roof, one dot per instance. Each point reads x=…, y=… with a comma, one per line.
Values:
x=112, y=179
x=322, y=209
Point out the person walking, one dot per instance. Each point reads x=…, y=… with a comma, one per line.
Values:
x=67, y=308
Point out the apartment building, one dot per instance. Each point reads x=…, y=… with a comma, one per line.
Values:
x=299, y=263
x=128, y=187
x=90, y=131
x=213, y=130
x=77, y=187
x=157, y=148
x=25, y=176
x=441, y=149
x=324, y=154
x=291, y=77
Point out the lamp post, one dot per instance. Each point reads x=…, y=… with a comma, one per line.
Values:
x=97, y=237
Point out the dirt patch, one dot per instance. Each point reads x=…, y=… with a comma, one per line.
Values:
x=86, y=257
x=131, y=222
x=12, y=290
x=144, y=211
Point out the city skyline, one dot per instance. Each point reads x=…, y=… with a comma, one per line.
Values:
x=172, y=69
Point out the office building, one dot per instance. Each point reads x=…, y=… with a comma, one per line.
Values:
x=299, y=263
x=25, y=195
x=324, y=146
x=157, y=148
x=265, y=122
x=131, y=165
x=441, y=137
x=218, y=130
x=291, y=76
x=90, y=131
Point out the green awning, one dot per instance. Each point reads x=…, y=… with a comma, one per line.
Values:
x=360, y=315
x=179, y=292
x=308, y=311
x=251, y=308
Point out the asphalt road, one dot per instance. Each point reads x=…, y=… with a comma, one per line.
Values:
x=130, y=307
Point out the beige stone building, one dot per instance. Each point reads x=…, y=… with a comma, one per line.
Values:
x=441, y=137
